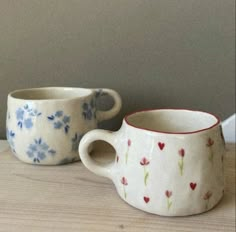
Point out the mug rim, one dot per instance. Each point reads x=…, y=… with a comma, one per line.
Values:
x=218, y=120
x=49, y=88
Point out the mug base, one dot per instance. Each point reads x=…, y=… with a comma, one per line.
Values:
x=49, y=163
x=187, y=214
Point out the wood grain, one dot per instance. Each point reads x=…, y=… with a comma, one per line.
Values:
x=70, y=198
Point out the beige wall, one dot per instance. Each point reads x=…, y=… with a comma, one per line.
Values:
x=156, y=53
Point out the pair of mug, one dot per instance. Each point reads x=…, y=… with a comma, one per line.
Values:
x=168, y=161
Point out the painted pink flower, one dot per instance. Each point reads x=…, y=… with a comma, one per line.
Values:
x=144, y=161
x=124, y=181
x=210, y=142
x=127, y=151
x=129, y=142
x=182, y=152
x=207, y=195
x=168, y=193
x=181, y=161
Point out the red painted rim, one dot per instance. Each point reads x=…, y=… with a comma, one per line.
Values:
x=175, y=133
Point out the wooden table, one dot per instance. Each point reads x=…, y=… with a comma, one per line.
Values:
x=70, y=198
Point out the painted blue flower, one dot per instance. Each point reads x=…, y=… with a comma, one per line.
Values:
x=88, y=110
x=10, y=139
x=60, y=120
x=24, y=116
x=39, y=150
x=75, y=141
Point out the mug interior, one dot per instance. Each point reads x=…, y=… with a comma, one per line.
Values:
x=176, y=121
x=50, y=93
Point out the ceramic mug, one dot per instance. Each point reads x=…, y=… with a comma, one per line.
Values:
x=168, y=161
x=45, y=125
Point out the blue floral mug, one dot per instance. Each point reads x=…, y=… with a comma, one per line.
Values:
x=45, y=125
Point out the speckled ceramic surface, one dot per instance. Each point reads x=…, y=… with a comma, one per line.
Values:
x=45, y=125
x=168, y=162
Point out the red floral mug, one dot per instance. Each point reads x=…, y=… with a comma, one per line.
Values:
x=168, y=161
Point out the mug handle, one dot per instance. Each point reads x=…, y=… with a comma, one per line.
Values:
x=107, y=114
x=94, y=135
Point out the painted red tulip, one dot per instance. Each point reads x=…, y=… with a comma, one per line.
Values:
x=210, y=142
x=144, y=161
x=181, y=162
x=182, y=152
x=168, y=193
x=127, y=151
x=207, y=195
x=129, y=142
x=124, y=181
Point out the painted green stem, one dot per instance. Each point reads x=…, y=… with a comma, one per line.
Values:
x=207, y=204
x=126, y=156
x=146, y=175
x=211, y=155
x=181, y=166
x=125, y=194
x=169, y=203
